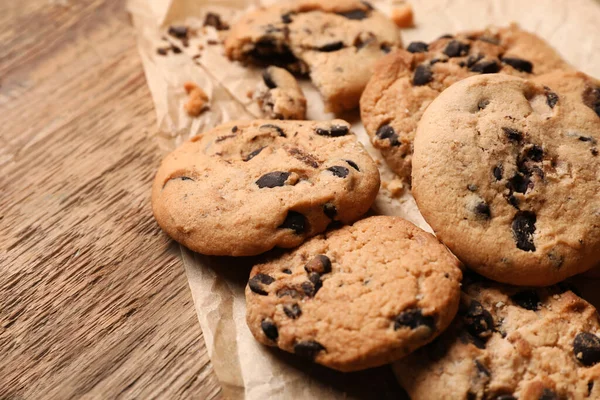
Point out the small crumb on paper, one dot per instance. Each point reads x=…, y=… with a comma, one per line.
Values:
x=214, y=20
x=197, y=99
x=403, y=16
x=395, y=187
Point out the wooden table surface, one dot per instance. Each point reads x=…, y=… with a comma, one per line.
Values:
x=94, y=301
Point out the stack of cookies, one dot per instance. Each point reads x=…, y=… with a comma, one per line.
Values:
x=497, y=138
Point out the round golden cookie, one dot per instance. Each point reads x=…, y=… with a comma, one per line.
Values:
x=507, y=173
x=405, y=82
x=246, y=187
x=509, y=343
x=357, y=297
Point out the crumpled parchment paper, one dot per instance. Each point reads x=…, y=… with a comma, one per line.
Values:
x=246, y=369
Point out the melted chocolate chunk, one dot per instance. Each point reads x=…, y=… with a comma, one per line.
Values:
x=387, y=132
x=329, y=210
x=277, y=129
x=518, y=183
x=527, y=299
x=286, y=18
x=471, y=60
x=353, y=165
x=269, y=329
x=518, y=63
x=268, y=51
x=333, y=131
x=292, y=311
x=417, y=47
x=498, y=172
x=308, y=349
x=385, y=48
x=548, y=394
x=535, y=153
x=340, y=172
x=586, y=348
x=272, y=179
x=513, y=134
x=178, y=31
x=329, y=47
x=466, y=337
x=478, y=321
x=551, y=97
x=315, y=279
x=413, y=318
x=523, y=227
x=505, y=397
x=354, y=14
x=591, y=98
x=590, y=386
x=483, y=210
x=306, y=158
x=456, y=49
x=422, y=75
x=486, y=67
x=253, y=154
x=185, y=178
x=320, y=264
x=258, y=281
x=287, y=271
x=309, y=288
x=482, y=369
x=215, y=21
x=176, y=49
x=294, y=221
x=268, y=80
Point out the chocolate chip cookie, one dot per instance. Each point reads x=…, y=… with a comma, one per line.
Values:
x=244, y=188
x=337, y=42
x=506, y=171
x=510, y=343
x=406, y=81
x=279, y=95
x=357, y=297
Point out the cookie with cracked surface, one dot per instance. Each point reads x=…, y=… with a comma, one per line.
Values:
x=405, y=82
x=337, y=42
x=510, y=343
x=279, y=95
x=357, y=297
x=506, y=172
x=246, y=187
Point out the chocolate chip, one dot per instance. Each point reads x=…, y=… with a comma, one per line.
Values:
x=523, y=227
x=486, y=67
x=294, y=221
x=335, y=46
x=272, y=179
x=535, y=153
x=478, y=321
x=518, y=183
x=482, y=369
x=315, y=279
x=591, y=98
x=308, y=349
x=456, y=49
x=258, y=281
x=287, y=271
x=333, y=131
x=329, y=210
x=178, y=31
x=224, y=137
x=308, y=288
x=293, y=293
x=413, y=318
x=586, y=348
x=234, y=129
x=422, y=76
x=335, y=225
x=214, y=20
x=340, y=172
x=518, y=63
x=483, y=210
x=268, y=80
x=163, y=51
x=585, y=138
x=300, y=155
x=269, y=329
x=551, y=97
x=513, y=201
x=320, y=264
x=286, y=18
x=353, y=165
x=466, y=337
x=471, y=60
x=446, y=36
x=548, y=394
x=594, y=152
x=185, y=178
x=253, y=154
x=483, y=104
x=277, y=129
x=417, y=47
x=385, y=48
x=387, y=132
x=505, y=397
x=292, y=311
x=354, y=14
x=498, y=172
x=527, y=299
x=367, y=4
x=590, y=386
x=513, y=134
x=176, y=49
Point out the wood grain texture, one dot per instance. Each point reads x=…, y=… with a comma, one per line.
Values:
x=94, y=302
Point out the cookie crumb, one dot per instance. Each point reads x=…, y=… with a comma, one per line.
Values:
x=556, y=297
x=197, y=99
x=395, y=187
x=403, y=16
x=214, y=20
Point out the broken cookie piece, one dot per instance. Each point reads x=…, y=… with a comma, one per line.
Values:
x=197, y=99
x=279, y=95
